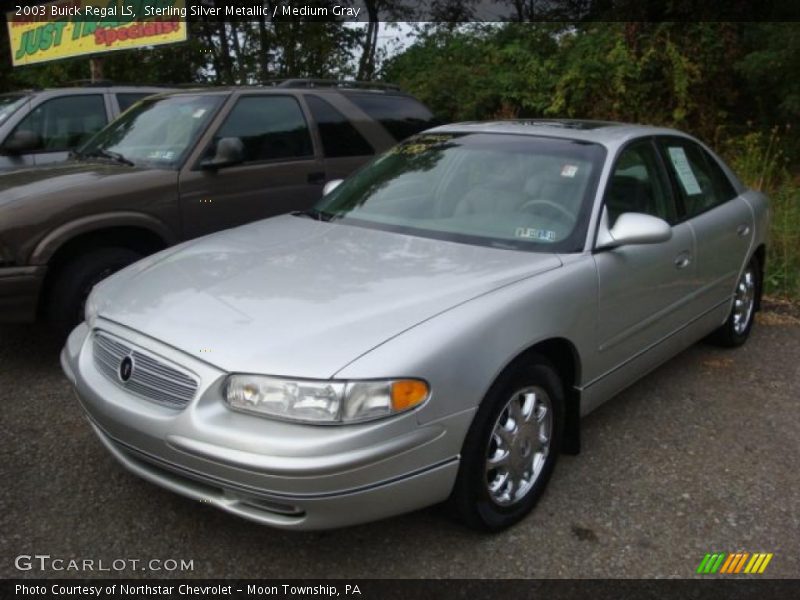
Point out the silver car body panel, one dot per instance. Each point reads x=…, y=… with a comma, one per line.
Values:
x=292, y=296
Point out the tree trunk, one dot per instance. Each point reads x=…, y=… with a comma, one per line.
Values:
x=366, y=66
x=237, y=50
x=264, y=47
x=225, y=54
x=95, y=69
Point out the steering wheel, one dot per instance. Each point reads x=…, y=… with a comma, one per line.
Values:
x=549, y=204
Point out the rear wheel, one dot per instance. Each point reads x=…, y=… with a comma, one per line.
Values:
x=75, y=280
x=736, y=329
x=511, y=448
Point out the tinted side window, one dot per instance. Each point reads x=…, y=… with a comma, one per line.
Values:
x=270, y=127
x=125, y=101
x=400, y=115
x=701, y=182
x=65, y=123
x=339, y=137
x=723, y=185
x=638, y=185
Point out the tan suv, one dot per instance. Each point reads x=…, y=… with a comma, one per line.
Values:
x=180, y=165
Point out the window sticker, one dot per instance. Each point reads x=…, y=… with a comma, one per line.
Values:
x=530, y=233
x=198, y=113
x=161, y=155
x=684, y=171
x=569, y=171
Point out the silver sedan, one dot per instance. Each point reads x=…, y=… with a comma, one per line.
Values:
x=434, y=329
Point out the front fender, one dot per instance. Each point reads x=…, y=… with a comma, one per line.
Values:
x=462, y=351
x=48, y=246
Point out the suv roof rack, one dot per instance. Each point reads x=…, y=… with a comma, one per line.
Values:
x=334, y=83
x=110, y=83
x=89, y=83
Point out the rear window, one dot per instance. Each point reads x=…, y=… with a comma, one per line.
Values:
x=339, y=136
x=125, y=101
x=402, y=116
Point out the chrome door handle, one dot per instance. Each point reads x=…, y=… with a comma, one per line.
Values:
x=683, y=260
x=742, y=230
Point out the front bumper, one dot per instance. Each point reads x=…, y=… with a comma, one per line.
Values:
x=281, y=474
x=19, y=293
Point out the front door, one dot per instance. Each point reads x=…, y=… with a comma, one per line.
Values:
x=644, y=290
x=280, y=172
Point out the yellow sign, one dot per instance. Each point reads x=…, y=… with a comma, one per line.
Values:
x=77, y=27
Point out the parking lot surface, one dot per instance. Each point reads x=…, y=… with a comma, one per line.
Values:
x=700, y=456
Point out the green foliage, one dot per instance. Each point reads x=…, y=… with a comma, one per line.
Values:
x=770, y=69
x=758, y=158
x=662, y=73
x=783, y=251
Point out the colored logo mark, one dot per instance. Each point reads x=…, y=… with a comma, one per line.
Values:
x=731, y=564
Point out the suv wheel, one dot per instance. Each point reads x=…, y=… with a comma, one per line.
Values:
x=511, y=448
x=75, y=280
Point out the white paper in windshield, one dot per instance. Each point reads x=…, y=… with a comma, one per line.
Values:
x=684, y=171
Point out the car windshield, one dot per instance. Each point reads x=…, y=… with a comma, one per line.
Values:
x=9, y=103
x=503, y=190
x=156, y=132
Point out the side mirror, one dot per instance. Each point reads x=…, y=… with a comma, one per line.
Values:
x=23, y=140
x=229, y=152
x=330, y=186
x=632, y=228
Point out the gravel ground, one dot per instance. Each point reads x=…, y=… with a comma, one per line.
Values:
x=700, y=456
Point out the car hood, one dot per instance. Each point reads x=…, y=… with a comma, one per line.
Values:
x=297, y=297
x=53, y=180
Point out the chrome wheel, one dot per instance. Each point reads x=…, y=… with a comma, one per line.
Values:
x=519, y=445
x=744, y=301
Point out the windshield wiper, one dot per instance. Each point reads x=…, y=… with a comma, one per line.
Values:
x=313, y=213
x=115, y=156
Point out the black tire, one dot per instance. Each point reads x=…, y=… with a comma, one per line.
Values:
x=74, y=280
x=733, y=333
x=471, y=497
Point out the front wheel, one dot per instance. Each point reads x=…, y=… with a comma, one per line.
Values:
x=73, y=282
x=511, y=448
x=736, y=329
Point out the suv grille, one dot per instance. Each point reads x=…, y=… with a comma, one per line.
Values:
x=150, y=378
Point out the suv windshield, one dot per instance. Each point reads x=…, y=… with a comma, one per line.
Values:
x=156, y=132
x=9, y=103
x=511, y=191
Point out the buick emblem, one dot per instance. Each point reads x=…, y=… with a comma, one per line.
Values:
x=126, y=368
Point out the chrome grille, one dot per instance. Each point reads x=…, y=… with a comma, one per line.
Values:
x=151, y=378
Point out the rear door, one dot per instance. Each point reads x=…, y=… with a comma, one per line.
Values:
x=644, y=290
x=281, y=171
x=722, y=221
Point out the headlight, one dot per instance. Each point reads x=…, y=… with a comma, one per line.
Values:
x=323, y=401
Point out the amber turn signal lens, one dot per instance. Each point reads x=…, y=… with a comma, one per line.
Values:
x=408, y=393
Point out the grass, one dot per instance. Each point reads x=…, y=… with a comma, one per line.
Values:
x=759, y=160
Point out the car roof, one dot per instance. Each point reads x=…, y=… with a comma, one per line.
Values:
x=88, y=89
x=607, y=133
x=229, y=89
